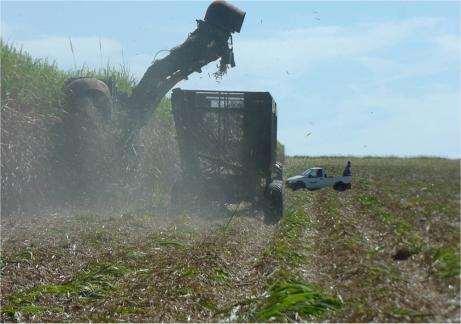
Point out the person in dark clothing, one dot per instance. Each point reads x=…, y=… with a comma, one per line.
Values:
x=319, y=173
x=347, y=170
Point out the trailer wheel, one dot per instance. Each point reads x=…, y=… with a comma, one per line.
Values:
x=275, y=212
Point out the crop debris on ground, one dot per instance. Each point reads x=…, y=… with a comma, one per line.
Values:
x=330, y=257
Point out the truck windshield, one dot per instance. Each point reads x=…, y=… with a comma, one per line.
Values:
x=311, y=173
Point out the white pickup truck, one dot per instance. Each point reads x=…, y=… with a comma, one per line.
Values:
x=316, y=178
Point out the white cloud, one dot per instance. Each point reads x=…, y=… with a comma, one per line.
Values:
x=450, y=43
x=380, y=123
x=301, y=48
x=387, y=71
x=138, y=63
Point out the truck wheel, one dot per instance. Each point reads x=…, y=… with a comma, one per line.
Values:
x=340, y=186
x=298, y=185
x=275, y=212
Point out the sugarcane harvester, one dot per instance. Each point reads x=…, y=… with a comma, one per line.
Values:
x=93, y=104
x=246, y=160
x=211, y=40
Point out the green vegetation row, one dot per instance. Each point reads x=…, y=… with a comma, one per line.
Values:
x=391, y=241
x=37, y=84
x=36, y=172
x=290, y=297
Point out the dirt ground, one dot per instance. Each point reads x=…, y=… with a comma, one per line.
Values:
x=387, y=250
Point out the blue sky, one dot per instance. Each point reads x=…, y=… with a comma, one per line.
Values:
x=363, y=78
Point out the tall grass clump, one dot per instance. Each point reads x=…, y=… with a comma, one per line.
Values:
x=291, y=298
x=55, y=155
x=30, y=93
x=33, y=84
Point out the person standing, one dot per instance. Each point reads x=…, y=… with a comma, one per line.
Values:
x=347, y=170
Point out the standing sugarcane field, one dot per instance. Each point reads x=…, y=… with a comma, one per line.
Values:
x=230, y=161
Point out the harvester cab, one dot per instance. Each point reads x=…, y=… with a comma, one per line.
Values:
x=227, y=142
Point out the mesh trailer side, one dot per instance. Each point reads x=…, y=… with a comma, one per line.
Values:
x=225, y=141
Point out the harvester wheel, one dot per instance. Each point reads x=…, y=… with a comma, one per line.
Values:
x=81, y=91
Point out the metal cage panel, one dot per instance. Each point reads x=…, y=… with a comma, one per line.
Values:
x=225, y=140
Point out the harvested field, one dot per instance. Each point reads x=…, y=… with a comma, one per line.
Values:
x=334, y=256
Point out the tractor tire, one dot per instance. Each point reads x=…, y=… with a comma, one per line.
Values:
x=83, y=90
x=275, y=196
x=87, y=148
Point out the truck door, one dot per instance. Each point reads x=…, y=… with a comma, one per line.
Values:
x=319, y=180
x=312, y=179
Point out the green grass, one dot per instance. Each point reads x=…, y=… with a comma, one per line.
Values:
x=329, y=258
x=25, y=255
x=35, y=139
x=402, y=228
x=289, y=299
x=37, y=83
x=94, y=282
x=286, y=248
x=368, y=201
x=446, y=262
x=394, y=203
